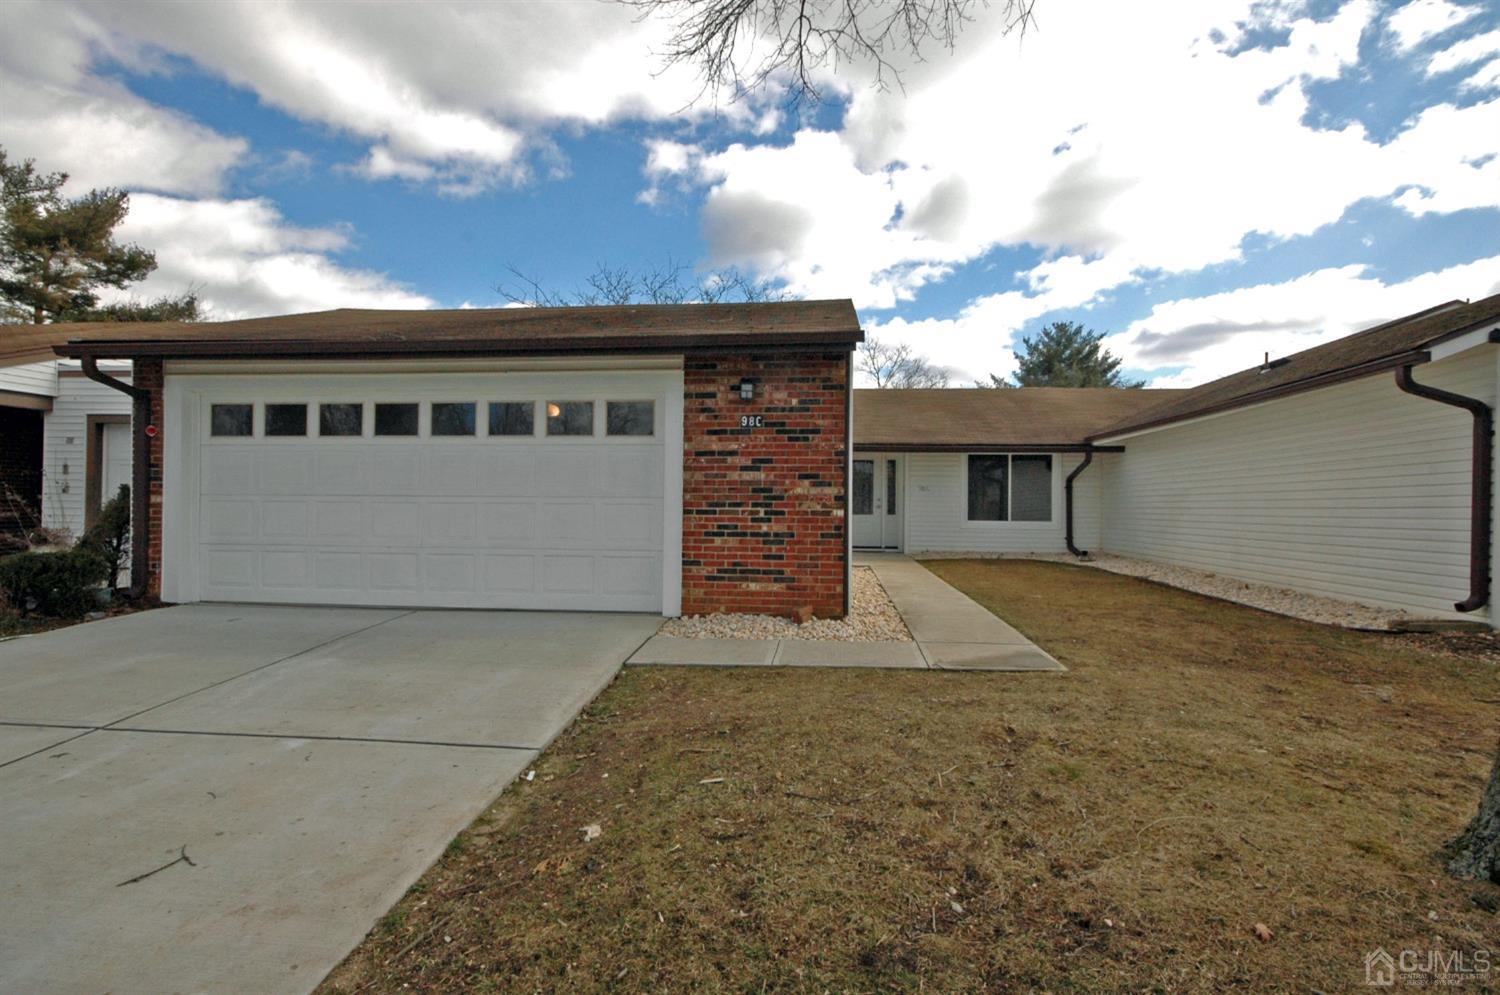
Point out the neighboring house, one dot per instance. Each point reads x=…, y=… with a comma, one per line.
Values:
x=64, y=439
x=699, y=458
x=1316, y=471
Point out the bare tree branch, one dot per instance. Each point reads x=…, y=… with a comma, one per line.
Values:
x=669, y=283
x=740, y=45
x=898, y=367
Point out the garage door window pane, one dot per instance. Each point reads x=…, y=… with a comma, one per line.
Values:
x=395, y=419
x=512, y=418
x=570, y=417
x=1031, y=489
x=286, y=419
x=630, y=417
x=341, y=419
x=453, y=418
x=232, y=419
x=988, y=490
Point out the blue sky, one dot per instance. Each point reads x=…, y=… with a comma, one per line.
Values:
x=1229, y=179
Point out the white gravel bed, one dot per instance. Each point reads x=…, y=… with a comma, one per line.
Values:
x=872, y=619
x=1282, y=601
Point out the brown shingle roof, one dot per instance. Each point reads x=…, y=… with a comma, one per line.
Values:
x=1371, y=351
x=345, y=332
x=976, y=418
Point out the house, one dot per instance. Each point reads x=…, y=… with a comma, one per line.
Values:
x=64, y=439
x=674, y=459
x=703, y=458
x=1359, y=469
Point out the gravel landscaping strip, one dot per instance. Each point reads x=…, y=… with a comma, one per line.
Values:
x=872, y=619
x=1282, y=601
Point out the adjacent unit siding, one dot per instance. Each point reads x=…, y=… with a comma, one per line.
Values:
x=66, y=445
x=937, y=516
x=31, y=378
x=1357, y=491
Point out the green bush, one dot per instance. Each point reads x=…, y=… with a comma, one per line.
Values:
x=62, y=585
x=109, y=536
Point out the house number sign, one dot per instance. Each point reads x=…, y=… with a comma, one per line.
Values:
x=752, y=421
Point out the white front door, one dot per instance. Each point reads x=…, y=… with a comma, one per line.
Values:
x=505, y=490
x=876, y=501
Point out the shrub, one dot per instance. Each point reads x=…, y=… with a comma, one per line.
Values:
x=62, y=585
x=109, y=536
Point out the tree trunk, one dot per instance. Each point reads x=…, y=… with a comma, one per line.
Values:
x=1476, y=854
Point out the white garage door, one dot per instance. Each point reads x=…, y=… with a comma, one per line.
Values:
x=476, y=491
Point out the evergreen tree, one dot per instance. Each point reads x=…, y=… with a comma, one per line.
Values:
x=1065, y=354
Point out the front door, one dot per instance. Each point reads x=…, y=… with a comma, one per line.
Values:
x=876, y=502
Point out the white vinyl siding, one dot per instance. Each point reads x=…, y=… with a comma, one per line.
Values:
x=1356, y=491
x=937, y=514
x=31, y=378
x=64, y=443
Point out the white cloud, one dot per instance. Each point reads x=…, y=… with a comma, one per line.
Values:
x=243, y=259
x=1465, y=52
x=1222, y=333
x=1423, y=19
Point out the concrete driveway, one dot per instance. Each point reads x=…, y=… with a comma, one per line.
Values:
x=310, y=762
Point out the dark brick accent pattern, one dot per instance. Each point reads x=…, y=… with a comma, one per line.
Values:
x=763, y=526
x=148, y=374
x=20, y=469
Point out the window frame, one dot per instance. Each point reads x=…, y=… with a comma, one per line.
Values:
x=536, y=423
x=254, y=420
x=308, y=421
x=595, y=413
x=631, y=435
x=1010, y=484
x=366, y=421
x=431, y=415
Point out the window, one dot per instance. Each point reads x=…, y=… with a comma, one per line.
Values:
x=989, y=488
x=864, y=487
x=890, y=487
x=512, y=418
x=395, y=419
x=286, y=419
x=630, y=417
x=570, y=417
x=341, y=419
x=453, y=418
x=1031, y=488
x=231, y=419
x=1010, y=488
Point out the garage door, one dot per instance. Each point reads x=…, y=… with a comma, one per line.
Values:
x=539, y=491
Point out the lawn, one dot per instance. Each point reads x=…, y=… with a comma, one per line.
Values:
x=1201, y=770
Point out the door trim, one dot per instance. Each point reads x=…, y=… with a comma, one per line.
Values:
x=93, y=464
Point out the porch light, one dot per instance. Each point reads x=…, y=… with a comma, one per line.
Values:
x=747, y=390
x=553, y=410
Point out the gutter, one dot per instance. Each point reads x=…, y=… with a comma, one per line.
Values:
x=140, y=473
x=1088, y=457
x=1481, y=470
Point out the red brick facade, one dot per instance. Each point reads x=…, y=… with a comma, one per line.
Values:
x=148, y=374
x=763, y=525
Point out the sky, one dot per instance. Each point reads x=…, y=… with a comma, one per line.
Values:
x=1204, y=181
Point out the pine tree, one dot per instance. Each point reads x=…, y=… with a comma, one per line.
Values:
x=1065, y=354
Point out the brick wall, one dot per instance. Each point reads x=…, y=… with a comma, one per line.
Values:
x=148, y=374
x=20, y=469
x=763, y=527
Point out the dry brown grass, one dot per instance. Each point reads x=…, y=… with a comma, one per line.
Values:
x=1201, y=768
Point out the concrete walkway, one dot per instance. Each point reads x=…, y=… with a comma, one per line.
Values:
x=951, y=632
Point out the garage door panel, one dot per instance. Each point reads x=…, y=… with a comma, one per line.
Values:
x=229, y=470
x=511, y=523
x=450, y=572
x=526, y=522
x=284, y=520
x=338, y=521
x=345, y=471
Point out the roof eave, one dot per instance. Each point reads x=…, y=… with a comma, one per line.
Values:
x=981, y=447
x=844, y=340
